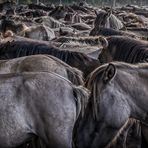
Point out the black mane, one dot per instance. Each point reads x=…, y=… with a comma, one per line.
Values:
x=16, y=49
x=25, y=48
x=105, y=31
x=128, y=50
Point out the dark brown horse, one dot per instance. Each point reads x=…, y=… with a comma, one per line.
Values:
x=79, y=60
x=124, y=49
x=110, y=32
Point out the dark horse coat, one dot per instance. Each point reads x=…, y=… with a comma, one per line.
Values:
x=79, y=60
x=124, y=49
x=131, y=51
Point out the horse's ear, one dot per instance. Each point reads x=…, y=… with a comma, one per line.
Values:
x=109, y=73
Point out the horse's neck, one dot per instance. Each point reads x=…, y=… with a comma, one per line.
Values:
x=139, y=96
x=61, y=54
x=85, y=130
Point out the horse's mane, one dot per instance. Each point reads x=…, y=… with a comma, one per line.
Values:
x=110, y=31
x=91, y=84
x=120, y=65
x=24, y=48
x=128, y=50
x=105, y=31
x=138, y=29
x=90, y=40
x=74, y=75
x=81, y=94
x=94, y=78
x=98, y=30
x=123, y=65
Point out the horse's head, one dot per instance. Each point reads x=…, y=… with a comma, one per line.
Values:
x=107, y=111
x=101, y=19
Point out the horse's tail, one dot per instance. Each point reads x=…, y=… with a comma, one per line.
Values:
x=81, y=96
x=75, y=76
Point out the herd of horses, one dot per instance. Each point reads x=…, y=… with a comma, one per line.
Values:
x=73, y=76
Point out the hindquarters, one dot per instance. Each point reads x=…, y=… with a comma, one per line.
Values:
x=37, y=101
x=42, y=63
x=73, y=74
x=65, y=105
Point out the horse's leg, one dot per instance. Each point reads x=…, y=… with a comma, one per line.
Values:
x=58, y=133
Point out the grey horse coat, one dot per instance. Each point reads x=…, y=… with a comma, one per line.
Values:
x=42, y=104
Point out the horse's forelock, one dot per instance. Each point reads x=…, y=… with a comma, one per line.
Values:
x=92, y=85
x=75, y=76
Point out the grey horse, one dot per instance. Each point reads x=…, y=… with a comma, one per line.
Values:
x=38, y=104
x=41, y=63
x=118, y=93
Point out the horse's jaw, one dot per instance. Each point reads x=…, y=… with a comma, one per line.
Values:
x=84, y=131
x=92, y=134
x=96, y=135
